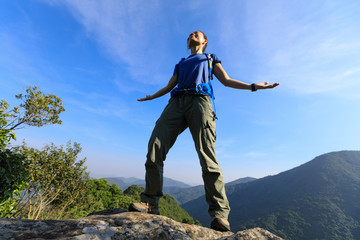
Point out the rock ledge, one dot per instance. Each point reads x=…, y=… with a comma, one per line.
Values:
x=123, y=225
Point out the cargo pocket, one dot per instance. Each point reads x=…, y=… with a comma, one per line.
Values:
x=210, y=130
x=208, y=108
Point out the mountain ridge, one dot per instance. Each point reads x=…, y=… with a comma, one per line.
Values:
x=124, y=183
x=181, y=191
x=185, y=195
x=301, y=203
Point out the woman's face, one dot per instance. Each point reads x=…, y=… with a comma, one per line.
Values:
x=196, y=38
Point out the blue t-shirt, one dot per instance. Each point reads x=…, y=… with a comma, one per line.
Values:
x=193, y=71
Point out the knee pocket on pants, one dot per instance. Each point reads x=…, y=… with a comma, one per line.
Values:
x=210, y=130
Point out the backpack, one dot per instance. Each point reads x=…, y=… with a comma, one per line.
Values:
x=202, y=88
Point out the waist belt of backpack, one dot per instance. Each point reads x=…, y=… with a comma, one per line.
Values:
x=178, y=91
x=201, y=89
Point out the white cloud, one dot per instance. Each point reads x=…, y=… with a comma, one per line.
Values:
x=100, y=104
x=254, y=154
x=125, y=29
x=308, y=48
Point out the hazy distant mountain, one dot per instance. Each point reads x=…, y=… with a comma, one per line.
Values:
x=124, y=183
x=317, y=200
x=168, y=182
x=119, y=181
x=240, y=180
x=188, y=194
x=180, y=191
x=130, y=179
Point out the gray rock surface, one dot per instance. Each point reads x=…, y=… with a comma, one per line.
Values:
x=123, y=225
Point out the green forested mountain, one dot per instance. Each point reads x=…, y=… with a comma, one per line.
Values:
x=317, y=200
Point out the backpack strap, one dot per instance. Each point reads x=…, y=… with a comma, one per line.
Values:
x=210, y=58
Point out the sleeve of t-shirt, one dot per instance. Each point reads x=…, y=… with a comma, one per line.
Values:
x=216, y=59
x=176, y=69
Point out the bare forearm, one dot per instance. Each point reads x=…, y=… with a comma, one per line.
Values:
x=224, y=78
x=161, y=92
x=171, y=84
x=236, y=84
x=241, y=85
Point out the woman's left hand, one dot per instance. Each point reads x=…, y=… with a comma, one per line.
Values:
x=265, y=85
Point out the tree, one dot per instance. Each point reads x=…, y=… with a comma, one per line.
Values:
x=36, y=109
x=56, y=179
x=134, y=191
x=100, y=195
x=13, y=179
x=101, y=190
x=168, y=207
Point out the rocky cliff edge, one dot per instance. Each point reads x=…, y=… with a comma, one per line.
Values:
x=119, y=224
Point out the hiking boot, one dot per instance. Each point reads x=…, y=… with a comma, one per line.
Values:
x=143, y=207
x=220, y=223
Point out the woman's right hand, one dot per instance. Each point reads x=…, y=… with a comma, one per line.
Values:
x=148, y=97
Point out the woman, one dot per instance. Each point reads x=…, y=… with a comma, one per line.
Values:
x=191, y=108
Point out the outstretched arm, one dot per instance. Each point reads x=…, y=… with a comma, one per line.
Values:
x=224, y=78
x=171, y=84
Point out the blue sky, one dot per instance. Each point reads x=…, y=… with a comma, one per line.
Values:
x=100, y=56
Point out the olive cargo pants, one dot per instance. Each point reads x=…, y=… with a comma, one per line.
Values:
x=195, y=112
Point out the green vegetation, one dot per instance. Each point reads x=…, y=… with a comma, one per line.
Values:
x=134, y=191
x=52, y=183
x=168, y=207
x=56, y=179
x=36, y=109
x=100, y=195
x=14, y=178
